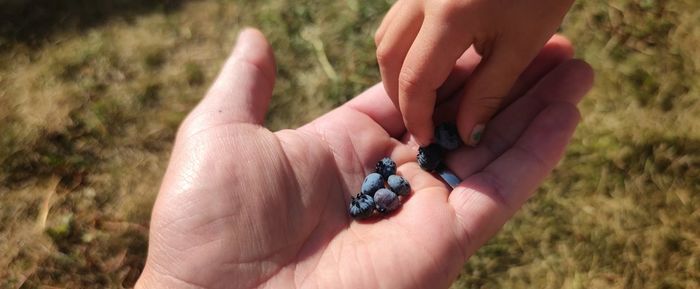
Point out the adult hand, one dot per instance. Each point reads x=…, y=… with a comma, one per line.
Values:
x=243, y=207
x=419, y=42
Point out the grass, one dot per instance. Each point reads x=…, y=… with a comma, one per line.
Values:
x=92, y=96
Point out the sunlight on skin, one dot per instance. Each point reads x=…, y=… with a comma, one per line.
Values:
x=243, y=207
x=416, y=53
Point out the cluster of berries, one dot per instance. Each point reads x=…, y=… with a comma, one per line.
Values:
x=380, y=191
x=446, y=139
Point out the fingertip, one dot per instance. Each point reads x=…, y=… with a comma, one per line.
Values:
x=242, y=91
x=574, y=76
x=424, y=142
x=560, y=45
x=422, y=131
x=250, y=33
x=247, y=38
x=585, y=72
x=253, y=47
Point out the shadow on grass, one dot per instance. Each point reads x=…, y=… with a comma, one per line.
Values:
x=70, y=155
x=32, y=22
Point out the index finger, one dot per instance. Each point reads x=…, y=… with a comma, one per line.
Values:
x=426, y=67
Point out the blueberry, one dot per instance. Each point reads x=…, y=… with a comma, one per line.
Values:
x=447, y=137
x=386, y=201
x=429, y=158
x=386, y=167
x=372, y=183
x=361, y=207
x=399, y=185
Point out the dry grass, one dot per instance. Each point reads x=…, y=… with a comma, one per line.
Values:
x=92, y=97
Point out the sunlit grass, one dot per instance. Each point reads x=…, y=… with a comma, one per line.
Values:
x=89, y=111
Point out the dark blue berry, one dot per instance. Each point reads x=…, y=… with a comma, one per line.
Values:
x=386, y=201
x=386, y=167
x=372, y=183
x=429, y=158
x=399, y=185
x=449, y=177
x=362, y=206
x=447, y=137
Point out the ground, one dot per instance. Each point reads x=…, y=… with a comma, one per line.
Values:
x=92, y=93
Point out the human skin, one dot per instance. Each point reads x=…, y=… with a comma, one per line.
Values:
x=243, y=207
x=419, y=42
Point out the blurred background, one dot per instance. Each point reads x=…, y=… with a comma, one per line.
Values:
x=92, y=92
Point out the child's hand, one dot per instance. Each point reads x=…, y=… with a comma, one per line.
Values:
x=419, y=42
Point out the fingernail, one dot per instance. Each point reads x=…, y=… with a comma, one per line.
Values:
x=476, y=135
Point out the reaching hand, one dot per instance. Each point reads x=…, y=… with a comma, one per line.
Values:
x=419, y=42
x=243, y=207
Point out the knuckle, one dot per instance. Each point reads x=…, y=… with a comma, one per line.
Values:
x=384, y=54
x=494, y=186
x=378, y=38
x=450, y=9
x=489, y=104
x=483, y=44
x=409, y=80
x=192, y=123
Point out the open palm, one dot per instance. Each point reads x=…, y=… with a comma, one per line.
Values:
x=243, y=207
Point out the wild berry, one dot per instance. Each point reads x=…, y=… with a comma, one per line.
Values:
x=447, y=137
x=386, y=201
x=372, y=183
x=429, y=158
x=361, y=206
x=386, y=167
x=399, y=185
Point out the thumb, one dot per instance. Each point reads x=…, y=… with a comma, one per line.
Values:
x=242, y=91
x=486, y=89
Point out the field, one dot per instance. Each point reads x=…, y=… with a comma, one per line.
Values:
x=92, y=93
